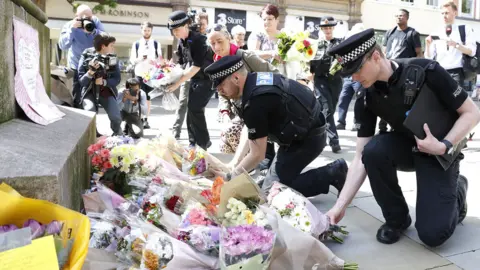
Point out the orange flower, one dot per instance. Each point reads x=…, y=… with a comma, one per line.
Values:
x=309, y=52
x=216, y=189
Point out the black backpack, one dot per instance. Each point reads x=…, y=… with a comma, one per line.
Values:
x=471, y=64
x=155, y=45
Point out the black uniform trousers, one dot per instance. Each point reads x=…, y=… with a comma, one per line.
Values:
x=288, y=164
x=437, y=205
x=329, y=89
x=200, y=93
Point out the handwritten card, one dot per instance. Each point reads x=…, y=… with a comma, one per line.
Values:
x=40, y=255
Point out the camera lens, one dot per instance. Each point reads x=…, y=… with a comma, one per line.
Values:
x=89, y=26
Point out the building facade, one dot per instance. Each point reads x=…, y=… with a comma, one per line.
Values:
x=425, y=15
x=123, y=22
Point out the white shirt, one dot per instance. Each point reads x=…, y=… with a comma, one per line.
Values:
x=451, y=58
x=146, y=47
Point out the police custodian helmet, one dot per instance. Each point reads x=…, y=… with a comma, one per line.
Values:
x=176, y=19
x=223, y=68
x=350, y=52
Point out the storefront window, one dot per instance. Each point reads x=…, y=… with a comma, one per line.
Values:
x=467, y=8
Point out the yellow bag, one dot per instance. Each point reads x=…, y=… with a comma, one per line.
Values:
x=15, y=209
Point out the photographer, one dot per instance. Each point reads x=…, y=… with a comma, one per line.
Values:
x=132, y=103
x=99, y=76
x=194, y=55
x=76, y=36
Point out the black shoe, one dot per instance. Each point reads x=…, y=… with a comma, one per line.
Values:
x=336, y=148
x=340, y=126
x=145, y=124
x=387, y=234
x=462, y=197
x=338, y=170
x=209, y=143
x=125, y=130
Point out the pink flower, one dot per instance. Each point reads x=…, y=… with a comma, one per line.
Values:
x=306, y=43
x=91, y=149
x=96, y=161
x=107, y=165
x=160, y=76
x=290, y=206
x=104, y=153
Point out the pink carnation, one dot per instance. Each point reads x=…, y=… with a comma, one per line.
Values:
x=104, y=153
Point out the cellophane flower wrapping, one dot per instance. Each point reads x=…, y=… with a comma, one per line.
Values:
x=247, y=247
x=158, y=252
x=297, y=210
x=165, y=76
x=199, y=230
x=194, y=161
x=170, y=102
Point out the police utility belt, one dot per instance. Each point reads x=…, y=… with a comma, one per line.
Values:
x=304, y=116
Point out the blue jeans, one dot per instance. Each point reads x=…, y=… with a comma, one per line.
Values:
x=111, y=107
x=349, y=89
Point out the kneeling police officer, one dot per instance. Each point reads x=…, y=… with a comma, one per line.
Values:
x=286, y=112
x=441, y=193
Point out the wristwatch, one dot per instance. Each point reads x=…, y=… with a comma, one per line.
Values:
x=449, y=147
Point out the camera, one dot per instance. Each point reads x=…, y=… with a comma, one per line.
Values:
x=192, y=14
x=87, y=24
x=104, y=62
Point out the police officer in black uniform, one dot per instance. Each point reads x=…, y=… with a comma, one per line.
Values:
x=441, y=193
x=327, y=87
x=194, y=55
x=288, y=113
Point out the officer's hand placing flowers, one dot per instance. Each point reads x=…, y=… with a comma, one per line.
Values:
x=173, y=87
x=430, y=144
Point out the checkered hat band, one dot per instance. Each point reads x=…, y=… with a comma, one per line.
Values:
x=358, y=52
x=227, y=72
x=177, y=22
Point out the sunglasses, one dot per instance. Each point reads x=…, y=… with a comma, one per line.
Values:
x=216, y=28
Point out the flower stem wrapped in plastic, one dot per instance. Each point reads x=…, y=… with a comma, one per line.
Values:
x=300, y=213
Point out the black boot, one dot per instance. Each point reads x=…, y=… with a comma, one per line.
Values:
x=340, y=126
x=335, y=145
x=462, y=197
x=388, y=234
x=145, y=124
x=338, y=171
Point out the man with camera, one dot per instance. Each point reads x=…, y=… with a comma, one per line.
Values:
x=99, y=75
x=76, y=36
x=132, y=103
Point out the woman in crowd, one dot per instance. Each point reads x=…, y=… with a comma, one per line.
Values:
x=235, y=137
x=238, y=34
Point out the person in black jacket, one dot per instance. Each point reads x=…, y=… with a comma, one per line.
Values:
x=194, y=55
x=99, y=76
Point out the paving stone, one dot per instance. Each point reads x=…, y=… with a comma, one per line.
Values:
x=467, y=261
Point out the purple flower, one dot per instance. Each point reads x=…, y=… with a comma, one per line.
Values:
x=38, y=230
x=245, y=239
x=54, y=228
x=7, y=228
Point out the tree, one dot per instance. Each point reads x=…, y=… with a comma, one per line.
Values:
x=100, y=7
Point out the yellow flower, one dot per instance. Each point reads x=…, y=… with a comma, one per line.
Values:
x=299, y=46
x=248, y=216
x=114, y=161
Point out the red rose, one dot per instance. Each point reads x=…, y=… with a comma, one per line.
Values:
x=172, y=202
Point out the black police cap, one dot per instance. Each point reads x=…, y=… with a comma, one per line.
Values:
x=223, y=68
x=177, y=19
x=327, y=21
x=350, y=52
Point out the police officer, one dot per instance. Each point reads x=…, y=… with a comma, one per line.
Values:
x=286, y=112
x=327, y=87
x=194, y=55
x=441, y=194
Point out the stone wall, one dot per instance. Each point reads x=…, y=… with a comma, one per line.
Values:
x=22, y=9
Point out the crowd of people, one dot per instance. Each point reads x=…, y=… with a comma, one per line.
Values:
x=279, y=122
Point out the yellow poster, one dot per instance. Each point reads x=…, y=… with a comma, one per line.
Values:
x=40, y=255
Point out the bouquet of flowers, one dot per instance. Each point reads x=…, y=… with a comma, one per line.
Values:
x=300, y=213
x=205, y=239
x=296, y=46
x=240, y=213
x=246, y=247
x=161, y=76
x=336, y=66
x=194, y=161
x=158, y=252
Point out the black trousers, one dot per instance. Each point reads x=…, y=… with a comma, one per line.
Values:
x=437, y=205
x=329, y=89
x=200, y=93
